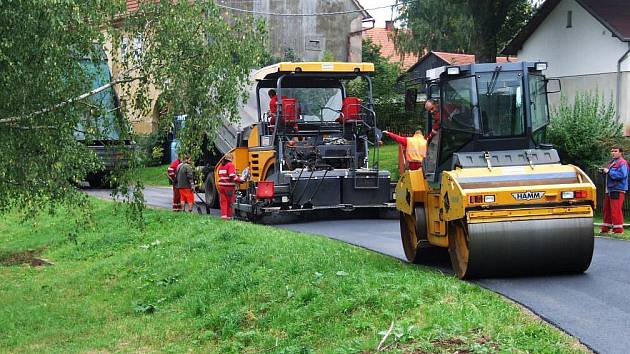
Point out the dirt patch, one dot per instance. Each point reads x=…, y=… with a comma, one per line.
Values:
x=30, y=257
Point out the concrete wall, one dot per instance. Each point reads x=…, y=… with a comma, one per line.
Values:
x=310, y=36
x=584, y=56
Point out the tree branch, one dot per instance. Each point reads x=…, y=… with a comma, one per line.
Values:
x=74, y=99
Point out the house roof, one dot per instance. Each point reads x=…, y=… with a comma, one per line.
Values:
x=457, y=59
x=613, y=14
x=382, y=37
x=366, y=15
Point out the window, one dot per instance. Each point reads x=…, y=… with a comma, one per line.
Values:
x=569, y=19
x=456, y=116
x=538, y=104
x=501, y=104
x=456, y=108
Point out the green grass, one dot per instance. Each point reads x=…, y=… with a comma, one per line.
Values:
x=598, y=218
x=388, y=159
x=198, y=283
x=153, y=176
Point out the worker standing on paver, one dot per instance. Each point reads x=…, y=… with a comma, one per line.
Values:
x=227, y=186
x=616, y=187
x=415, y=148
x=171, y=172
x=186, y=183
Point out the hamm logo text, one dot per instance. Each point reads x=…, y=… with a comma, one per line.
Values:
x=528, y=195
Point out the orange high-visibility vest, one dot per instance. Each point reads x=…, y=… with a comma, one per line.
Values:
x=416, y=148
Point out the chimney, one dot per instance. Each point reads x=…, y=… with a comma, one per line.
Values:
x=389, y=26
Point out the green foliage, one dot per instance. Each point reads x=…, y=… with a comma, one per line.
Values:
x=479, y=27
x=42, y=42
x=151, y=147
x=185, y=50
x=198, y=61
x=288, y=54
x=434, y=25
x=584, y=131
x=190, y=283
x=328, y=56
x=384, y=78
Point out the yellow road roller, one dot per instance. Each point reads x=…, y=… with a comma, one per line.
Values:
x=490, y=190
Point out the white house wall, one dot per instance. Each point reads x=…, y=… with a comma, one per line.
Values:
x=586, y=48
x=584, y=57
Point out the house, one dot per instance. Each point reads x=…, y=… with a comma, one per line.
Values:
x=308, y=38
x=415, y=76
x=587, y=46
x=383, y=38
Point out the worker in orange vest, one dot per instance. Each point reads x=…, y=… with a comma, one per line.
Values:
x=415, y=148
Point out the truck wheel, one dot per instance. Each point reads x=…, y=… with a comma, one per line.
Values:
x=211, y=194
x=96, y=180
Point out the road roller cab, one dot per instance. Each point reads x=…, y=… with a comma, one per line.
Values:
x=491, y=191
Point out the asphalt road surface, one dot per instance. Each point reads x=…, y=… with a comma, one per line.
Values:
x=593, y=307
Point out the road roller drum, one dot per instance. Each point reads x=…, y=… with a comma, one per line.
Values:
x=516, y=248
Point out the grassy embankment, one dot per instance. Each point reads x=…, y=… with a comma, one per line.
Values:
x=198, y=283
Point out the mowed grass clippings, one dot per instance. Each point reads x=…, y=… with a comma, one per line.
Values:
x=198, y=283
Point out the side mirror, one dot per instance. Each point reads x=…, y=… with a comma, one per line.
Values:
x=410, y=99
x=433, y=92
x=553, y=85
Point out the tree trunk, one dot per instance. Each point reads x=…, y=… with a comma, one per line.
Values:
x=488, y=18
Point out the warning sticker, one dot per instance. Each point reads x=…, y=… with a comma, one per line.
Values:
x=328, y=66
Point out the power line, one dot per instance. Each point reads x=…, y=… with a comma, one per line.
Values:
x=313, y=14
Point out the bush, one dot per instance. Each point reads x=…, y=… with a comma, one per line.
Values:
x=151, y=148
x=584, y=132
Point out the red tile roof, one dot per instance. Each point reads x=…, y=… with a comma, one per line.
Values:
x=456, y=58
x=459, y=59
x=382, y=37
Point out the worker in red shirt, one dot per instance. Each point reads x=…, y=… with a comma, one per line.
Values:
x=450, y=110
x=415, y=148
x=432, y=107
x=227, y=184
x=171, y=172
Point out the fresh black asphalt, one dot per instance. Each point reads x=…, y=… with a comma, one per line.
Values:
x=593, y=307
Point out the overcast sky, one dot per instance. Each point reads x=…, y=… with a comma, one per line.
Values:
x=380, y=15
